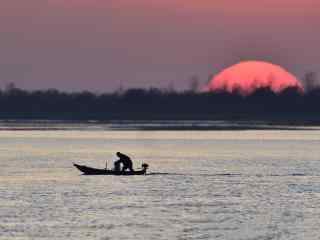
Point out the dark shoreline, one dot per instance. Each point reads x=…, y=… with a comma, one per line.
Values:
x=263, y=109
x=151, y=125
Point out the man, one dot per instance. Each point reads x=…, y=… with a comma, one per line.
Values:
x=125, y=160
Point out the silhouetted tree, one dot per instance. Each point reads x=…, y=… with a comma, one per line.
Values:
x=310, y=81
x=194, y=84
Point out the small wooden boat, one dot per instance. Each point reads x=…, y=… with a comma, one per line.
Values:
x=95, y=171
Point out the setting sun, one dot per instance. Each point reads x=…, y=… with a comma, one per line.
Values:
x=246, y=77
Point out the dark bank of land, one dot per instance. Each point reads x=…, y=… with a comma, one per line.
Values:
x=290, y=107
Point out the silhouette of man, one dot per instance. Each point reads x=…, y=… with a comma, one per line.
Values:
x=125, y=160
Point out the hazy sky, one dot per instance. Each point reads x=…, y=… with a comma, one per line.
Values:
x=98, y=44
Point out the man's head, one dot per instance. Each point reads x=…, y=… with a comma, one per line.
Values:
x=118, y=154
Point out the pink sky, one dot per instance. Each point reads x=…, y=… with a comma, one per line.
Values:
x=98, y=45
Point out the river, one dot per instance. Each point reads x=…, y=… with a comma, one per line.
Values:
x=226, y=184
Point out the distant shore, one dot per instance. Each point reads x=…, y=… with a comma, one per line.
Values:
x=263, y=109
x=150, y=125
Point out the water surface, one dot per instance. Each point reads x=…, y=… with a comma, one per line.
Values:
x=258, y=184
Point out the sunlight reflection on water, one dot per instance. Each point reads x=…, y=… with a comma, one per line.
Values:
x=202, y=185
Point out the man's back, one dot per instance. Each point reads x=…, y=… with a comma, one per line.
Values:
x=125, y=160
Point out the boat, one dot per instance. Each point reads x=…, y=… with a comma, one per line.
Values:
x=96, y=171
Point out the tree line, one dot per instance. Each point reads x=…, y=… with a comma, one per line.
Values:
x=144, y=104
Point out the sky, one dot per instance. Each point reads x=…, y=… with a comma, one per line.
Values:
x=100, y=45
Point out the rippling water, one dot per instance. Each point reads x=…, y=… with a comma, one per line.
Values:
x=201, y=185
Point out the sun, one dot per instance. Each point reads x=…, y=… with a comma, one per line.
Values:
x=246, y=77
